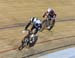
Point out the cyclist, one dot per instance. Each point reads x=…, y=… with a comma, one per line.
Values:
x=36, y=24
x=50, y=15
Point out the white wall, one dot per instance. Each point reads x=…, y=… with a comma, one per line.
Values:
x=66, y=53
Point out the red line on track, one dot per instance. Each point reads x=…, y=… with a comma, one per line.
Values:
x=17, y=47
x=36, y=43
x=7, y=50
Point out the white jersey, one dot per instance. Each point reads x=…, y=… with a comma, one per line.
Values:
x=36, y=21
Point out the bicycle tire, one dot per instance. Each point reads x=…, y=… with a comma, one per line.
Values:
x=23, y=43
x=34, y=42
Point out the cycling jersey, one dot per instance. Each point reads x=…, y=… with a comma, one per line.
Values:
x=37, y=23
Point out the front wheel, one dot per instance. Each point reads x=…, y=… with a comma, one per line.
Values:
x=23, y=43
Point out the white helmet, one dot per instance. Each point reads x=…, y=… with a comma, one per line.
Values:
x=49, y=9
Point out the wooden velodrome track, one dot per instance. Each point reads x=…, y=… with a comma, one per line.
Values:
x=15, y=14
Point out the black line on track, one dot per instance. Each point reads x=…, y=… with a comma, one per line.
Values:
x=23, y=24
x=52, y=48
x=46, y=50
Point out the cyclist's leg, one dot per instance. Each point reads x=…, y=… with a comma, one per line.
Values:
x=32, y=28
x=33, y=35
x=52, y=22
x=48, y=22
x=36, y=30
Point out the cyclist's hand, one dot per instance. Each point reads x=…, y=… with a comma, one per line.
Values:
x=23, y=31
x=43, y=15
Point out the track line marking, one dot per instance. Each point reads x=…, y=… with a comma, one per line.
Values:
x=47, y=50
x=23, y=24
x=37, y=43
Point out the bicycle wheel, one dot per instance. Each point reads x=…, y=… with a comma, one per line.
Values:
x=24, y=43
x=33, y=41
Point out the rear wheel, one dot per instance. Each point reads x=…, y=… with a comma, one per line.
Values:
x=33, y=41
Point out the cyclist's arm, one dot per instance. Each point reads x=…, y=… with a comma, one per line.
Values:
x=27, y=25
x=44, y=14
x=55, y=14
